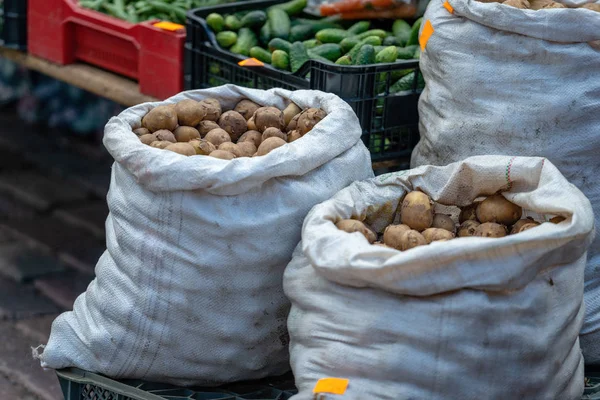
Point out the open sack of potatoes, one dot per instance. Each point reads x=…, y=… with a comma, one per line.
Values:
x=465, y=318
x=189, y=290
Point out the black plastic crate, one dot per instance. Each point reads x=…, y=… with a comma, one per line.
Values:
x=389, y=121
x=14, y=24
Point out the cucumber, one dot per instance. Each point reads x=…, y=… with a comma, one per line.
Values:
x=371, y=40
x=348, y=43
x=344, y=60
x=359, y=27
x=400, y=73
x=280, y=44
x=232, y=23
x=407, y=53
x=309, y=44
x=216, y=22
x=298, y=56
x=318, y=24
x=265, y=34
x=300, y=33
x=280, y=60
x=245, y=41
x=365, y=56
x=406, y=83
x=279, y=23
x=401, y=30
x=292, y=7
x=379, y=48
x=330, y=51
x=260, y=54
x=226, y=39
x=314, y=56
x=254, y=18
x=391, y=41
x=387, y=55
x=373, y=32
x=414, y=33
x=331, y=35
x=417, y=55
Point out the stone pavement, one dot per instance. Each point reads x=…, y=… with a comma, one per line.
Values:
x=52, y=211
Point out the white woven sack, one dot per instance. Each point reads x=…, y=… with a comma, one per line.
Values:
x=189, y=290
x=501, y=80
x=471, y=318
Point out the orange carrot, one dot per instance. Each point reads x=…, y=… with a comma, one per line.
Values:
x=401, y=11
x=353, y=5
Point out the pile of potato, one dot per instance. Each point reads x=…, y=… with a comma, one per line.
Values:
x=493, y=217
x=192, y=127
x=540, y=4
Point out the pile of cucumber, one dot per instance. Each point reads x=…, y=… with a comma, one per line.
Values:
x=278, y=37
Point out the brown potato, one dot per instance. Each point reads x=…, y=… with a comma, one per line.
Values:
x=212, y=109
x=491, y=229
x=186, y=133
x=247, y=149
x=185, y=149
x=557, y=220
x=160, y=117
x=592, y=6
x=141, y=131
x=160, y=144
x=267, y=117
x=468, y=228
x=392, y=234
x=417, y=211
x=552, y=4
x=148, y=139
x=233, y=123
x=246, y=108
x=222, y=154
x=435, y=234
x=251, y=136
x=251, y=125
x=538, y=4
x=526, y=227
x=523, y=4
x=232, y=148
x=189, y=112
x=293, y=135
x=381, y=244
x=202, y=147
x=309, y=119
x=468, y=213
x=497, y=209
x=165, y=135
x=410, y=239
x=517, y=226
x=274, y=132
x=217, y=136
x=206, y=126
x=443, y=221
x=352, y=225
x=269, y=145
x=293, y=124
x=290, y=112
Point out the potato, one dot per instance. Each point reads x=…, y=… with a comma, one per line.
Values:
x=552, y=4
x=141, y=131
x=309, y=119
x=497, y=209
x=517, y=226
x=290, y=112
x=557, y=220
x=202, y=147
x=247, y=149
x=160, y=144
x=251, y=125
x=435, y=234
x=212, y=109
x=217, y=136
x=267, y=117
x=468, y=213
x=186, y=133
x=293, y=124
x=293, y=135
x=468, y=228
x=274, y=132
x=148, y=139
x=538, y=4
x=189, y=112
x=381, y=244
x=269, y=145
x=417, y=211
x=443, y=221
x=391, y=235
x=185, y=149
x=490, y=229
x=410, y=239
x=527, y=227
x=232, y=148
x=246, y=108
x=592, y=6
x=206, y=126
x=165, y=135
x=523, y=4
x=233, y=123
x=251, y=136
x=160, y=117
x=352, y=225
x=222, y=154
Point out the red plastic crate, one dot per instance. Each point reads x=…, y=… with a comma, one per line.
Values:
x=63, y=32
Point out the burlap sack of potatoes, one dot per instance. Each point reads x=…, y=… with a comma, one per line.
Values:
x=501, y=80
x=189, y=290
x=471, y=318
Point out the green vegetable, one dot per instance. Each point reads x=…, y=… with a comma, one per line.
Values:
x=417, y=54
x=280, y=44
x=344, y=60
x=348, y=43
x=387, y=55
x=371, y=40
x=407, y=53
x=254, y=18
x=279, y=23
x=407, y=82
x=300, y=33
x=414, y=33
x=309, y=44
x=178, y=13
x=265, y=34
x=232, y=23
x=397, y=74
x=260, y=54
x=373, y=32
x=331, y=35
x=401, y=30
x=330, y=51
x=215, y=22
x=318, y=24
x=359, y=27
x=226, y=39
x=314, y=56
x=391, y=41
x=245, y=41
x=298, y=56
x=365, y=56
x=292, y=7
x=280, y=60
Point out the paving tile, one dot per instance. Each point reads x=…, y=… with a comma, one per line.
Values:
x=83, y=259
x=17, y=363
x=90, y=216
x=11, y=208
x=37, y=328
x=22, y=263
x=64, y=288
x=22, y=301
x=38, y=191
x=10, y=390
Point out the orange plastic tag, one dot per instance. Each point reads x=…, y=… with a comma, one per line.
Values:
x=251, y=62
x=448, y=7
x=169, y=26
x=331, y=385
x=425, y=34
